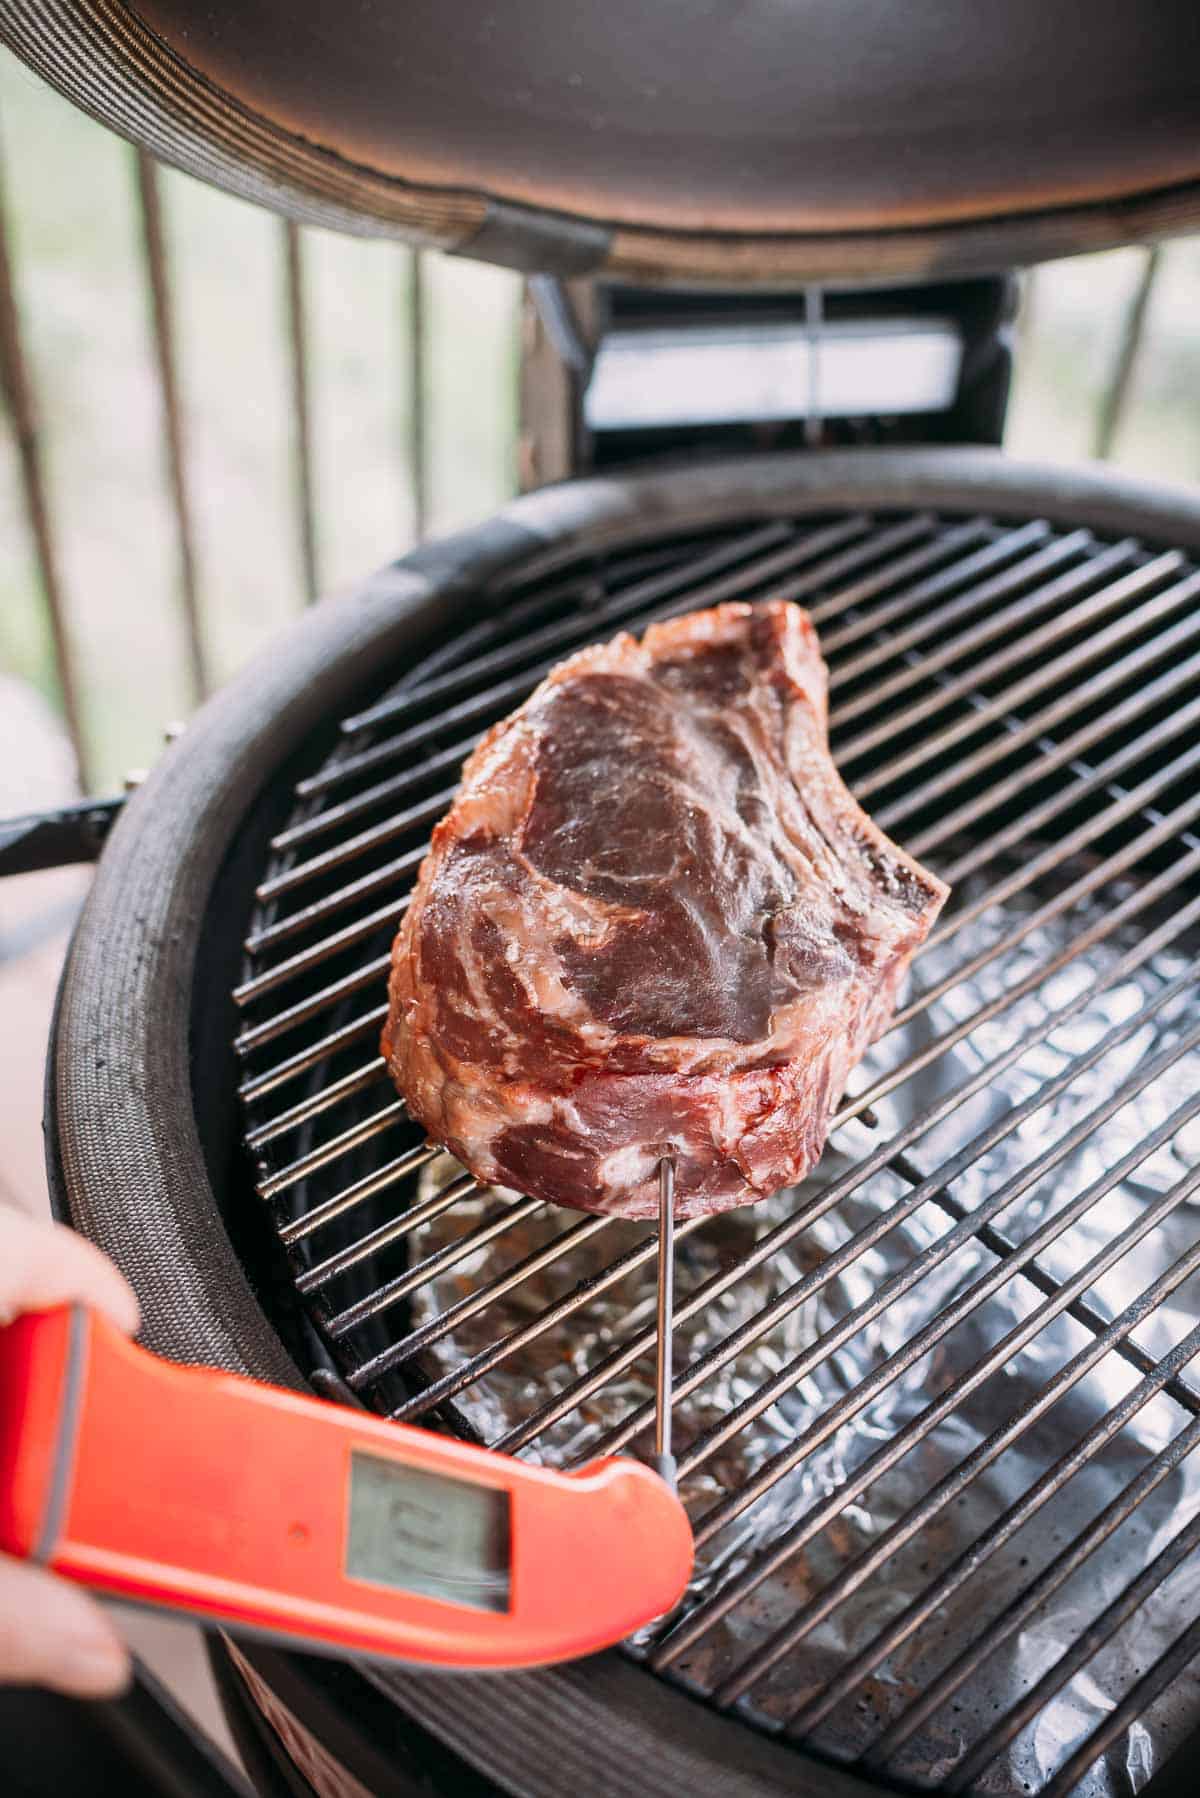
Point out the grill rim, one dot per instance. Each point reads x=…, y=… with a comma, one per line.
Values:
x=132, y=971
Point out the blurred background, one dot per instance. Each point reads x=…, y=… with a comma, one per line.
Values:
x=176, y=541
x=160, y=604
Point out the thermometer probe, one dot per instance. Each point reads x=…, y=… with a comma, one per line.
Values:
x=257, y=1508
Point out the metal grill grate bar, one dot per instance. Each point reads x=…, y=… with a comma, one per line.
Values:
x=703, y=577
x=427, y=812
x=472, y=1303
x=334, y=1094
x=522, y=597
x=937, y=1252
x=947, y=545
x=581, y=588
x=583, y=1293
x=1130, y=805
x=1004, y=703
x=394, y=1113
x=300, y=1013
x=1061, y=756
x=1083, y=1650
x=317, y=1277
x=1000, y=550
x=626, y=1354
x=1165, y=1671
x=512, y=692
x=352, y=766
x=904, y=1529
x=381, y=880
x=1067, y=1562
x=1035, y=730
x=497, y=699
x=1136, y=801
x=331, y=817
x=808, y=1526
x=565, y=635
x=1065, y=624
x=823, y=573
x=378, y=1181
x=370, y=1024
x=399, y=1288
x=996, y=624
x=308, y=959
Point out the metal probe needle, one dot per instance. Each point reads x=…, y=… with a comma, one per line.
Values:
x=664, y=1460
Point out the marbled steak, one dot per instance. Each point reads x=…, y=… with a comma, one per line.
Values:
x=653, y=922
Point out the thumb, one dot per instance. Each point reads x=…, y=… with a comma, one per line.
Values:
x=43, y=1265
x=53, y=1634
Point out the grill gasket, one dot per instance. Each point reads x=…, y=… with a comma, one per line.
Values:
x=1166, y=578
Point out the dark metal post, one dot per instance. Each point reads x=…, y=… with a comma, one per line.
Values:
x=18, y=394
x=154, y=242
x=1133, y=325
x=301, y=421
x=417, y=435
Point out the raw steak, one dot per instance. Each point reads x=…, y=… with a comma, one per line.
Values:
x=653, y=922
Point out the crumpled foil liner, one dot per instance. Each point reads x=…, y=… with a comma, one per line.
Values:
x=504, y=1397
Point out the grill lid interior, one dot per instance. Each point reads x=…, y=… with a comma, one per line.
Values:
x=935, y=1409
x=761, y=142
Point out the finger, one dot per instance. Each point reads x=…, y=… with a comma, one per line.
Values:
x=53, y=1634
x=43, y=1265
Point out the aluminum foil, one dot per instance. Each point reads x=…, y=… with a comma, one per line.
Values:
x=506, y=1396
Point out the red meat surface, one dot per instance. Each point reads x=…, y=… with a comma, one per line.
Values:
x=654, y=922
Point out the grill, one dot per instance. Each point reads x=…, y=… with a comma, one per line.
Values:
x=933, y=1409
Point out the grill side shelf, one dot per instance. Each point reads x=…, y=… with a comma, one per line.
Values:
x=55, y=839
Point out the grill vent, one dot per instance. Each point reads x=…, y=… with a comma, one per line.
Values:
x=935, y=1407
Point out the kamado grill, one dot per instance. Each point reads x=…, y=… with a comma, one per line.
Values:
x=934, y=1409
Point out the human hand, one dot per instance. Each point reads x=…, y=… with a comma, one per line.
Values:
x=51, y=1632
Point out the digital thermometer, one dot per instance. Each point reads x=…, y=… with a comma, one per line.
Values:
x=328, y=1528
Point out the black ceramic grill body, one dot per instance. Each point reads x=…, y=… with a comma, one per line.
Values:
x=142, y=1112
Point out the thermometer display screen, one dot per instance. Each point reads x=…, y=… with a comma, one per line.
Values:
x=420, y=1532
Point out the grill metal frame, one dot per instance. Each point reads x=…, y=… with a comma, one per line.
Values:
x=580, y=519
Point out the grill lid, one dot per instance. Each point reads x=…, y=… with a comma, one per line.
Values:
x=702, y=142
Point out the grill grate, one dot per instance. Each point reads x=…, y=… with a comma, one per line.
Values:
x=1018, y=704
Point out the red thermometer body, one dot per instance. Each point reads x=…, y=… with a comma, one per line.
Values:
x=321, y=1525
